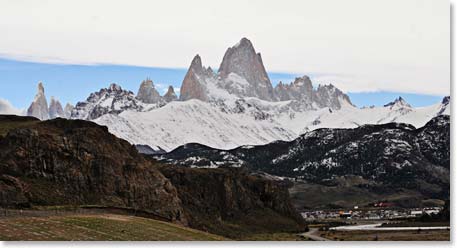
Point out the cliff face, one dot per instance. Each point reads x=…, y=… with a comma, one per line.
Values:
x=217, y=199
x=62, y=162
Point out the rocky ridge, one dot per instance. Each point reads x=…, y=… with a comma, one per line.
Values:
x=111, y=100
x=390, y=157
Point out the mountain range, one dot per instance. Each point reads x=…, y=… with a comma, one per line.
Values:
x=235, y=106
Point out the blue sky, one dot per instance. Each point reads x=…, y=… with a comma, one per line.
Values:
x=73, y=83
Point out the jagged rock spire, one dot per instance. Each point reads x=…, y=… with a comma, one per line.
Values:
x=242, y=61
x=55, y=109
x=193, y=85
x=170, y=95
x=67, y=110
x=39, y=106
x=147, y=92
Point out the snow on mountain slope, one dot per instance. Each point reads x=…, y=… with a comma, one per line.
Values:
x=350, y=117
x=178, y=123
x=248, y=121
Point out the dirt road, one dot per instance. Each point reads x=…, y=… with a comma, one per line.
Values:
x=312, y=234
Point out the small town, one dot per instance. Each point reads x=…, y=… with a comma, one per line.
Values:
x=369, y=213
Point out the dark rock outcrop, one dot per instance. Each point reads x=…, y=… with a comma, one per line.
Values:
x=63, y=162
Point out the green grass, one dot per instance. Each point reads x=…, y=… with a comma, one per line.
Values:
x=103, y=227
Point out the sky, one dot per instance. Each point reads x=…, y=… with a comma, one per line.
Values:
x=373, y=50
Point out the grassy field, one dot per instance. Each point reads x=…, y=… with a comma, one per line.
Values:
x=103, y=227
x=424, y=235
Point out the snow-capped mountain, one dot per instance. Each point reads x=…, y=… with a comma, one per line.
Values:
x=232, y=107
x=111, y=100
x=235, y=106
x=249, y=121
x=181, y=122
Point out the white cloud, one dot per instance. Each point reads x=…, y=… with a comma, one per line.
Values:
x=383, y=45
x=6, y=108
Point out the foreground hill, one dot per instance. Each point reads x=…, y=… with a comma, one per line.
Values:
x=75, y=162
x=381, y=159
